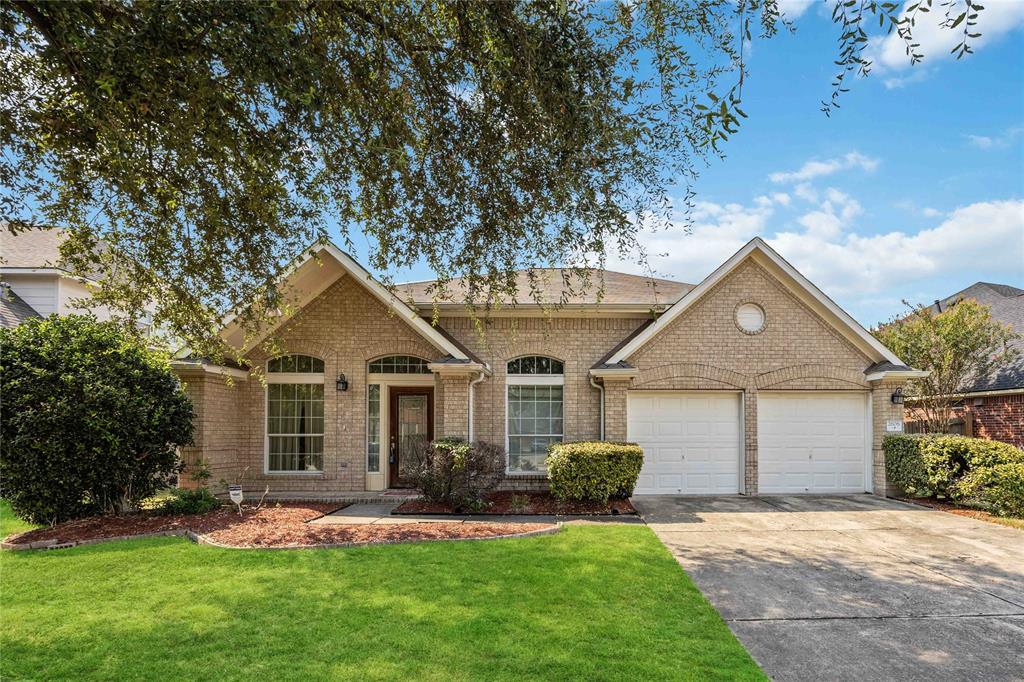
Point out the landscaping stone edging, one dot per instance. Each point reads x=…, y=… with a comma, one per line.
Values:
x=56, y=544
x=200, y=539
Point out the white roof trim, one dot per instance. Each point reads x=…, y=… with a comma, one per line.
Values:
x=359, y=273
x=898, y=374
x=755, y=244
x=185, y=366
x=614, y=372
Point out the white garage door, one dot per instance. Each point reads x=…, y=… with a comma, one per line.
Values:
x=691, y=442
x=812, y=442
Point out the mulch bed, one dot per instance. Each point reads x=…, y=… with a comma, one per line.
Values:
x=284, y=525
x=969, y=512
x=508, y=502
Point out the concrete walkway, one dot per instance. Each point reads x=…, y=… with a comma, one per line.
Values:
x=380, y=513
x=854, y=588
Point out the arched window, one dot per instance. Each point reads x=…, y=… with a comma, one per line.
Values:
x=296, y=364
x=295, y=414
x=535, y=364
x=399, y=364
x=535, y=407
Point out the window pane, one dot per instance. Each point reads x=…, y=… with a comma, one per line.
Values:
x=295, y=426
x=535, y=364
x=373, y=429
x=534, y=422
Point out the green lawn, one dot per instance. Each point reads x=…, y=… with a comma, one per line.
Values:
x=591, y=603
x=9, y=523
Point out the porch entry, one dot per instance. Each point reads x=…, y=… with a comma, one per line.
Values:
x=411, y=423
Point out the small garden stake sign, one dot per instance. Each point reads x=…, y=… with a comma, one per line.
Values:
x=235, y=492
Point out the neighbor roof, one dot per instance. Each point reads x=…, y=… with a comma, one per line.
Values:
x=563, y=286
x=36, y=248
x=1006, y=305
x=13, y=309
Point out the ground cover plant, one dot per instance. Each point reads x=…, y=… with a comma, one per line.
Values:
x=497, y=610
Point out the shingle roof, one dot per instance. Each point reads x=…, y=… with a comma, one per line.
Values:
x=1007, y=306
x=38, y=248
x=565, y=286
x=13, y=309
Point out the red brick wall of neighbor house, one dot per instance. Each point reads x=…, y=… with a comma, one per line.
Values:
x=1000, y=417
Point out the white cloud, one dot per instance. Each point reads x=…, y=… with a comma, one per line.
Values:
x=997, y=19
x=793, y=9
x=858, y=269
x=929, y=212
x=1008, y=137
x=815, y=169
x=919, y=74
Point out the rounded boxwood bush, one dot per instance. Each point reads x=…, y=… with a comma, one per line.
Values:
x=91, y=418
x=593, y=470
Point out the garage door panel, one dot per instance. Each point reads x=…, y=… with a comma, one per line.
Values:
x=812, y=442
x=691, y=442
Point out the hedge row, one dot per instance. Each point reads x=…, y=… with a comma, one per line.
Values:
x=593, y=470
x=971, y=470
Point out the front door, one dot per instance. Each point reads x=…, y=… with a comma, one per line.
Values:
x=412, y=426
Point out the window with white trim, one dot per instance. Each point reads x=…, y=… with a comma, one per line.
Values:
x=373, y=429
x=295, y=414
x=399, y=364
x=535, y=389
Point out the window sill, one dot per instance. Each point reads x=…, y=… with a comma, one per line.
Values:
x=525, y=474
x=294, y=473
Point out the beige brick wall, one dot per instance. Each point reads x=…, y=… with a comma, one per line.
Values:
x=577, y=342
x=218, y=429
x=882, y=410
x=345, y=327
x=703, y=349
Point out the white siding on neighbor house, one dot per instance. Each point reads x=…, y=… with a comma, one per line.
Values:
x=39, y=291
x=72, y=290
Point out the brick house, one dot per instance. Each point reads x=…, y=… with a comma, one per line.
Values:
x=752, y=381
x=993, y=406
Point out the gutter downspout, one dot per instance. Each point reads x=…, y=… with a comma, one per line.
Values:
x=599, y=387
x=472, y=391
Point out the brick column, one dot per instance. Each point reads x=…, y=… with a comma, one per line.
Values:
x=615, y=391
x=882, y=410
x=750, y=440
x=454, y=416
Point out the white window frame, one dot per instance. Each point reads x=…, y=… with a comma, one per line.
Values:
x=290, y=378
x=531, y=380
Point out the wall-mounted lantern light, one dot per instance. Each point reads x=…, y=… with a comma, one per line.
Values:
x=342, y=383
x=897, y=397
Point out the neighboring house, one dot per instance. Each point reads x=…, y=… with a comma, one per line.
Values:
x=31, y=270
x=752, y=381
x=993, y=406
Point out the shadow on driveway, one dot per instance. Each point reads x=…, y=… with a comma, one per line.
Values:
x=854, y=587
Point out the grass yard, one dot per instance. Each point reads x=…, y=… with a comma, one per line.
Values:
x=591, y=603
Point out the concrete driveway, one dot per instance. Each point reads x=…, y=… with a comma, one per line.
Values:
x=854, y=588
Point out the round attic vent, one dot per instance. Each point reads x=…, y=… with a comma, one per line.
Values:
x=750, y=318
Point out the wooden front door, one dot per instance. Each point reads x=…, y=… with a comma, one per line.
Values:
x=411, y=419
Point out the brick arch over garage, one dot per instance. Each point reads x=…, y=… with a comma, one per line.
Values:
x=812, y=377
x=690, y=376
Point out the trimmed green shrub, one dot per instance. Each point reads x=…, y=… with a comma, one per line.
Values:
x=905, y=465
x=456, y=472
x=593, y=470
x=198, y=501
x=1004, y=493
x=949, y=466
x=91, y=418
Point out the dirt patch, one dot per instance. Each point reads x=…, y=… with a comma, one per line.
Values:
x=507, y=502
x=969, y=512
x=285, y=525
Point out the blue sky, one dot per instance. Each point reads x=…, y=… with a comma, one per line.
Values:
x=914, y=189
